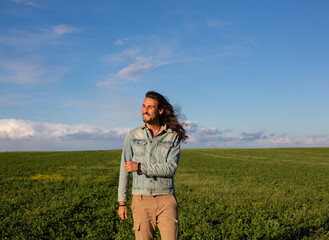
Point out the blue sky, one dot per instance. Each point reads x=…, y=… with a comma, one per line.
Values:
x=73, y=74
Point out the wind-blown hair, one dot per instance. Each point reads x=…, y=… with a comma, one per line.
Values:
x=169, y=115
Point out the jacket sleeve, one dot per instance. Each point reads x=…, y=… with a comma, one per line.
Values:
x=169, y=165
x=124, y=177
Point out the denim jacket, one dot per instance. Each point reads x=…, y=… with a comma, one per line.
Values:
x=159, y=158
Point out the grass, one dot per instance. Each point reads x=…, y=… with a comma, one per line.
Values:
x=222, y=194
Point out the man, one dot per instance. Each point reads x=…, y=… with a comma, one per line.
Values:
x=151, y=153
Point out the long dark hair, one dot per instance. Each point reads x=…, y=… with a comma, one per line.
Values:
x=169, y=115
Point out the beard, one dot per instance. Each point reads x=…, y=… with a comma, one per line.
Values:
x=149, y=119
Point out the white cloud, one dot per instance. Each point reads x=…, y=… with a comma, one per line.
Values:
x=120, y=42
x=252, y=135
x=63, y=29
x=21, y=135
x=133, y=71
x=213, y=137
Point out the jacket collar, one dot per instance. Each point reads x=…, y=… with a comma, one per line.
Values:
x=165, y=128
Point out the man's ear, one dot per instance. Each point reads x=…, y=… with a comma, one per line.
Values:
x=161, y=110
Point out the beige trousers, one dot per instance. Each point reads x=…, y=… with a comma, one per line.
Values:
x=149, y=211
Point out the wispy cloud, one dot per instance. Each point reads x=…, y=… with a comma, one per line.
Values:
x=21, y=72
x=23, y=39
x=143, y=54
x=120, y=42
x=127, y=55
x=133, y=71
x=63, y=29
x=28, y=72
x=216, y=23
x=26, y=2
x=88, y=105
x=20, y=38
x=13, y=101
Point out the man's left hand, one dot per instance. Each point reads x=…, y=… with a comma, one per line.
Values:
x=131, y=166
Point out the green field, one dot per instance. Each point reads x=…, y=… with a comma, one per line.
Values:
x=222, y=194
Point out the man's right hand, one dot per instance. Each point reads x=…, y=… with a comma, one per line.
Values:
x=123, y=212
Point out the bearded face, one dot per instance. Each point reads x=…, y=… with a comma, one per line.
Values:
x=150, y=111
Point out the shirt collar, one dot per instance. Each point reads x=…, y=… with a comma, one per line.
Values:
x=165, y=128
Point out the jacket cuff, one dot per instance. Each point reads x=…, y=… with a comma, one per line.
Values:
x=122, y=198
x=144, y=168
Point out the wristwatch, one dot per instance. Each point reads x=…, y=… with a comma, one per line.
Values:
x=139, y=168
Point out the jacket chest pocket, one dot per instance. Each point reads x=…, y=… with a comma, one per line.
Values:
x=139, y=147
x=164, y=148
